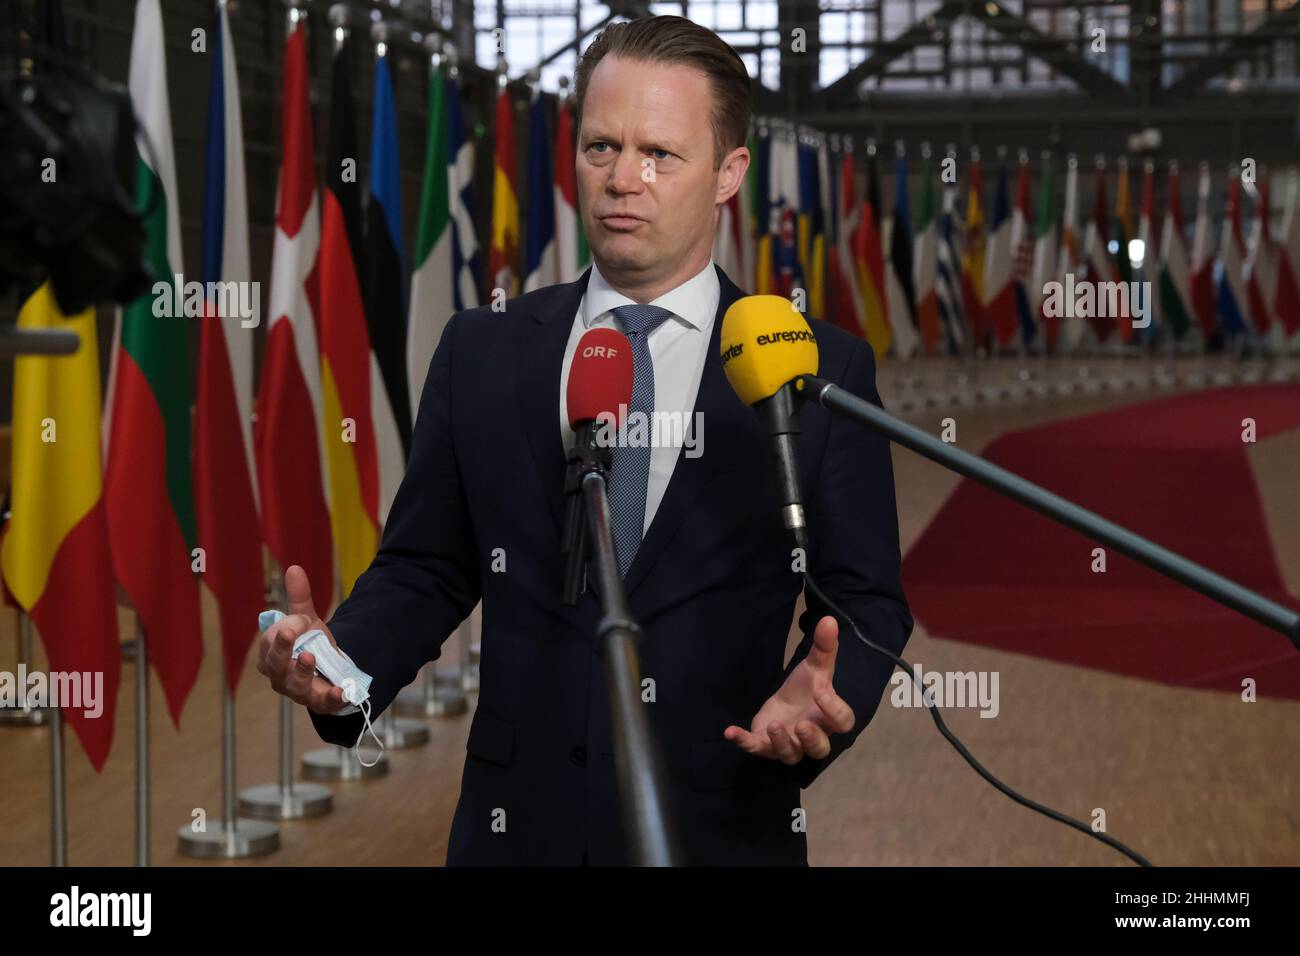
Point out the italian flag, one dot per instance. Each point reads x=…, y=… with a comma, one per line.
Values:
x=147, y=487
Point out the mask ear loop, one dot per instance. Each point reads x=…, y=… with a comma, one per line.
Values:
x=365, y=712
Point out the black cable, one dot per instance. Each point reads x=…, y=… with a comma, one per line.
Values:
x=961, y=748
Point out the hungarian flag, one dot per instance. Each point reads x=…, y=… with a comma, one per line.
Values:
x=1203, y=259
x=539, y=242
x=1230, y=294
x=294, y=500
x=572, y=254
x=225, y=499
x=349, y=384
x=504, y=254
x=1261, y=269
x=148, y=488
x=972, y=258
x=869, y=256
x=845, y=294
x=925, y=262
x=1046, y=256
x=385, y=291
x=1175, y=273
x=1022, y=256
x=1286, y=302
x=898, y=273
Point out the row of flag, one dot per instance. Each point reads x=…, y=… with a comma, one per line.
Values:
x=151, y=504
x=155, y=504
x=958, y=278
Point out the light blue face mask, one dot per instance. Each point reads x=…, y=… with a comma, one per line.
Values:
x=340, y=670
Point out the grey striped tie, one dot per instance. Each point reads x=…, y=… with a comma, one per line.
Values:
x=630, y=470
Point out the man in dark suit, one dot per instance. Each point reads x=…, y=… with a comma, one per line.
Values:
x=709, y=571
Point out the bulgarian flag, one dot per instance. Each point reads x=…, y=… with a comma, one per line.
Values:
x=349, y=372
x=504, y=253
x=148, y=492
x=1175, y=274
x=869, y=254
x=925, y=262
x=570, y=238
x=55, y=554
x=225, y=494
x=294, y=500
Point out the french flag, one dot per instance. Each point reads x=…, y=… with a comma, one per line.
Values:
x=225, y=495
x=999, y=290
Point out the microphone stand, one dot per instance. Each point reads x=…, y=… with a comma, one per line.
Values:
x=1195, y=576
x=637, y=761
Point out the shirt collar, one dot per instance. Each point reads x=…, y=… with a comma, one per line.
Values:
x=695, y=301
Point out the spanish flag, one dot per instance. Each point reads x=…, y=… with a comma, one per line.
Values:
x=55, y=555
x=503, y=258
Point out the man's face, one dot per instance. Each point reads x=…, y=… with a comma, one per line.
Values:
x=645, y=171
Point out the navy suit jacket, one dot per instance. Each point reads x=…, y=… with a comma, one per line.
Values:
x=478, y=515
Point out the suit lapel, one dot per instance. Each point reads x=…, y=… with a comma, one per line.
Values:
x=544, y=332
x=714, y=400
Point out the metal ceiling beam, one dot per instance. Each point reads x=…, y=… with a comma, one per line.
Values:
x=1284, y=24
x=844, y=91
x=1055, y=52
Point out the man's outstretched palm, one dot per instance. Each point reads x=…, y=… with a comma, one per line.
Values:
x=798, y=719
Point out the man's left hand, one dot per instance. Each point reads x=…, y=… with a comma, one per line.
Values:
x=797, y=720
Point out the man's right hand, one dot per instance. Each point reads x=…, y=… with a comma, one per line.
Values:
x=297, y=680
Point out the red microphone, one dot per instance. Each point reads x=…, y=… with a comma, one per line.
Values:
x=600, y=386
x=600, y=378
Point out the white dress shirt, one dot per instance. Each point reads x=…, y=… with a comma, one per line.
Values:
x=678, y=348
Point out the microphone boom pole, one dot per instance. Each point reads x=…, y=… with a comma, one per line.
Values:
x=1227, y=592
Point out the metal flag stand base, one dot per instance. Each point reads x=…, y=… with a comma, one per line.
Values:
x=335, y=763
x=401, y=733
x=439, y=697
x=443, y=695
x=232, y=838
x=285, y=800
x=21, y=715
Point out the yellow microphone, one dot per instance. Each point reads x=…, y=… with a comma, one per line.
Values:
x=766, y=344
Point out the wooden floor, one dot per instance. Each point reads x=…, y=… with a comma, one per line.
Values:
x=1186, y=777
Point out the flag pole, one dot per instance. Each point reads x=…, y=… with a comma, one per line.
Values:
x=284, y=800
x=58, y=793
x=141, y=746
x=24, y=715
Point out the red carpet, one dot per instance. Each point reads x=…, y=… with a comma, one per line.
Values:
x=989, y=571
